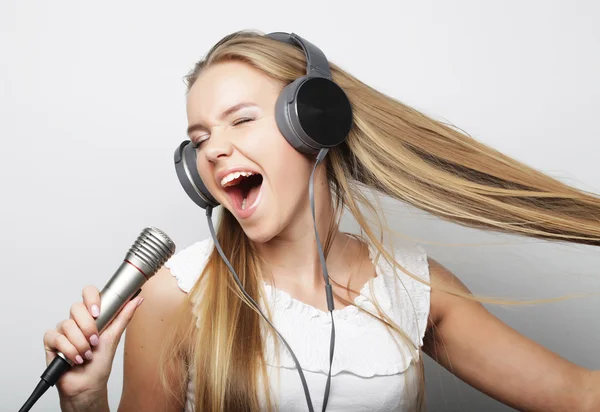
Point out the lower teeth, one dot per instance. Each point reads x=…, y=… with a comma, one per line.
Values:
x=244, y=204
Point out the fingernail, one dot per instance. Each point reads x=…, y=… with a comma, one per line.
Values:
x=94, y=340
x=78, y=359
x=88, y=355
x=140, y=301
x=95, y=311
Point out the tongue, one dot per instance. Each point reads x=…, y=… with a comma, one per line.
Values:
x=252, y=195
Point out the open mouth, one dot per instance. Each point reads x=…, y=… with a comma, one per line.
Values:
x=244, y=189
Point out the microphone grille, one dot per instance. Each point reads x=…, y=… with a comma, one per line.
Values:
x=153, y=247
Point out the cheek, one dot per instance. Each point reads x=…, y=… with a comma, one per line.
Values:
x=206, y=173
x=289, y=171
x=274, y=147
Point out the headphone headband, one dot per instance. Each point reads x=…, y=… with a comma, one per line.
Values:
x=316, y=62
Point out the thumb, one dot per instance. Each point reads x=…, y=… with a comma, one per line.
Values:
x=116, y=328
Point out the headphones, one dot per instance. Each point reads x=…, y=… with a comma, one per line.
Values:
x=312, y=113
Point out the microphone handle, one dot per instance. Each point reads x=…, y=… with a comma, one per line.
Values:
x=122, y=287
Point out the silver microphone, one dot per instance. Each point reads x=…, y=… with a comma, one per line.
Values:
x=148, y=254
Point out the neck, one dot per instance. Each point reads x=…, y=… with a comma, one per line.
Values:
x=292, y=256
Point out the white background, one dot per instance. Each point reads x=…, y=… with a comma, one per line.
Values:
x=92, y=108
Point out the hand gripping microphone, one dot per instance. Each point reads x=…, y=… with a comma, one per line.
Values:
x=149, y=252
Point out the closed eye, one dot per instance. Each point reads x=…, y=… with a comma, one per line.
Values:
x=242, y=120
x=235, y=123
x=196, y=145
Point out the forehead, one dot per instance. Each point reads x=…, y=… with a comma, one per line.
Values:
x=223, y=85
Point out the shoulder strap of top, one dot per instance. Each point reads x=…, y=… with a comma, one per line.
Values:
x=187, y=264
x=405, y=299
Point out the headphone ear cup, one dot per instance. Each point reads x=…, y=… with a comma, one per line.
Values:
x=187, y=173
x=286, y=102
x=313, y=113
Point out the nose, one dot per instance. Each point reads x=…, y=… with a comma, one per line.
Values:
x=217, y=148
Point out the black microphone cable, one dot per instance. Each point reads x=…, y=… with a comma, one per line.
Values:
x=328, y=290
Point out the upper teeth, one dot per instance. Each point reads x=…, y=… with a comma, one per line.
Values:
x=231, y=176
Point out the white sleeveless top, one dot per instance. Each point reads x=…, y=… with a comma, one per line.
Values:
x=372, y=368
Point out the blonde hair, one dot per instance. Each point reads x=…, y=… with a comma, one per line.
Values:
x=394, y=150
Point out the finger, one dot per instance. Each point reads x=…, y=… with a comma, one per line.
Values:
x=85, y=321
x=118, y=325
x=48, y=347
x=91, y=300
x=57, y=342
x=77, y=338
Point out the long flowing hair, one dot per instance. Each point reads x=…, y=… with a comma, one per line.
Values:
x=393, y=150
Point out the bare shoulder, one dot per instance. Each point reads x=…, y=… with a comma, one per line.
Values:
x=144, y=340
x=162, y=298
x=442, y=302
x=162, y=293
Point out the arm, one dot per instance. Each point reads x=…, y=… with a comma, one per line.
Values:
x=95, y=403
x=470, y=342
x=142, y=389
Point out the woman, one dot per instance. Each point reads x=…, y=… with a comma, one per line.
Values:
x=198, y=345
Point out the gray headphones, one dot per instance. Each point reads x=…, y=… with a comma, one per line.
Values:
x=312, y=113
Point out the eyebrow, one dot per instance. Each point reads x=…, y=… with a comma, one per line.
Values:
x=198, y=126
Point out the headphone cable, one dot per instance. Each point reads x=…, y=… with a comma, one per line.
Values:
x=328, y=291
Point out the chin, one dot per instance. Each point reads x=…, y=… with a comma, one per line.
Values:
x=260, y=233
x=258, y=236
